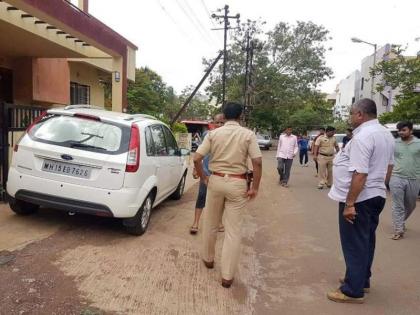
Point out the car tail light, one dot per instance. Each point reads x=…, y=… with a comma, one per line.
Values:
x=36, y=120
x=133, y=158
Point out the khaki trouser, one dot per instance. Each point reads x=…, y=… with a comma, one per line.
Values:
x=325, y=164
x=225, y=197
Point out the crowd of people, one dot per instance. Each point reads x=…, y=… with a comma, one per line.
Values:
x=358, y=174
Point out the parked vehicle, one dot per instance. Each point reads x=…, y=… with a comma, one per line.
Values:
x=93, y=161
x=197, y=127
x=264, y=141
x=339, y=137
x=393, y=129
x=311, y=142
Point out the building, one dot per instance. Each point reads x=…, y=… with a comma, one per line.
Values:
x=346, y=95
x=55, y=52
x=384, y=100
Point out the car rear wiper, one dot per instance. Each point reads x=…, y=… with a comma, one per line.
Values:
x=82, y=145
x=92, y=135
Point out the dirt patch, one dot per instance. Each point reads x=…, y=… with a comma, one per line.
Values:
x=31, y=284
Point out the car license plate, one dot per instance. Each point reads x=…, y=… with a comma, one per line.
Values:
x=66, y=169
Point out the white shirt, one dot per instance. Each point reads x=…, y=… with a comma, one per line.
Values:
x=370, y=151
x=287, y=147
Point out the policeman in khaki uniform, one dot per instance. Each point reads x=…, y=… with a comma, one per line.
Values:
x=230, y=147
x=325, y=147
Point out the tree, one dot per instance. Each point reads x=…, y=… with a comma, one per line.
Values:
x=150, y=95
x=402, y=73
x=287, y=69
x=198, y=108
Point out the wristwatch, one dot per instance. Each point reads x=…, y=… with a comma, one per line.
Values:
x=348, y=205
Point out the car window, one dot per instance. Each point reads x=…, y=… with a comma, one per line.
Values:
x=81, y=134
x=159, y=140
x=171, y=144
x=150, y=147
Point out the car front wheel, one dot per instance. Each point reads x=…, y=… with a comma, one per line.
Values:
x=138, y=224
x=22, y=207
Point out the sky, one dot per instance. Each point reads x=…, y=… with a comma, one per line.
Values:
x=174, y=35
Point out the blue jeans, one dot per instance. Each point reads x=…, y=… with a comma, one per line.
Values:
x=303, y=156
x=358, y=244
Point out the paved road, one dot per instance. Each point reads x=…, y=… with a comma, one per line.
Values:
x=291, y=258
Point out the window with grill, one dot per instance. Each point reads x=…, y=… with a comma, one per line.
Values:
x=79, y=93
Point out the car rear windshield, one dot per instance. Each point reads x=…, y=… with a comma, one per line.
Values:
x=82, y=134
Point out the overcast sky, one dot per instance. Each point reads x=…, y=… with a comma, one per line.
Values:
x=174, y=35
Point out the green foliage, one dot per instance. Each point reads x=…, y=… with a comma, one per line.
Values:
x=341, y=126
x=179, y=128
x=288, y=65
x=403, y=73
x=198, y=108
x=150, y=95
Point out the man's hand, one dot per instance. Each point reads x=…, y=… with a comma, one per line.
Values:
x=349, y=214
x=252, y=193
x=315, y=158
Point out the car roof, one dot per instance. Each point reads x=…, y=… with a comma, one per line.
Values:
x=106, y=115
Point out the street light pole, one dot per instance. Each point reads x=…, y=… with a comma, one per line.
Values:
x=372, y=83
x=372, y=87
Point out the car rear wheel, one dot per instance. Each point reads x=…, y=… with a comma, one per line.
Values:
x=138, y=224
x=22, y=207
x=180, y=189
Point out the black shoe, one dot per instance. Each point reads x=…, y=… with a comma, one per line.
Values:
x=208, y=264
x=227, y=283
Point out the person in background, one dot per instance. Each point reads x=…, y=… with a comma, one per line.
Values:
x=347, y=137
x=303, y=144
x=405, y=179
x=324, y=154
x=321, y=133
x=360, y=173
x=219, y=121
x=286, y=151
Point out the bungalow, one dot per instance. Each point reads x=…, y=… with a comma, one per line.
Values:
x=55, y=53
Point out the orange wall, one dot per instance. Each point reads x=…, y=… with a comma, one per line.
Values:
x=51, y=79
x=41, y=80
x=22, y=81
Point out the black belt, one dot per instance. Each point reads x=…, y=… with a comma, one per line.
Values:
x=327, y=154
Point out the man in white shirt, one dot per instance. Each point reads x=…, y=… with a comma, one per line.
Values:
x=286, y=151
x=360, y=172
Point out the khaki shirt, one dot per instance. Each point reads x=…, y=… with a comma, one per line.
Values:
x=326, y=145
x=230, y=147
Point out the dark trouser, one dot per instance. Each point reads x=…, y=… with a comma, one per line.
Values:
x=283, y=167
x=303, y=154
x=201, y=198
x=316, y=166
x=358, y=244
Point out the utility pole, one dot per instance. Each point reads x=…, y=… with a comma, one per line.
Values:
x=246, y=66
x=196, y=88
x=226, y=27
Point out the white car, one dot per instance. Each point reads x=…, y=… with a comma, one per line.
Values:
x=80, y=159
x=339, y=137
x=264, y=141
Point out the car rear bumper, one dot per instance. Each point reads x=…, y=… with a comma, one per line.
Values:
x=65, y=204
x=122, y=203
